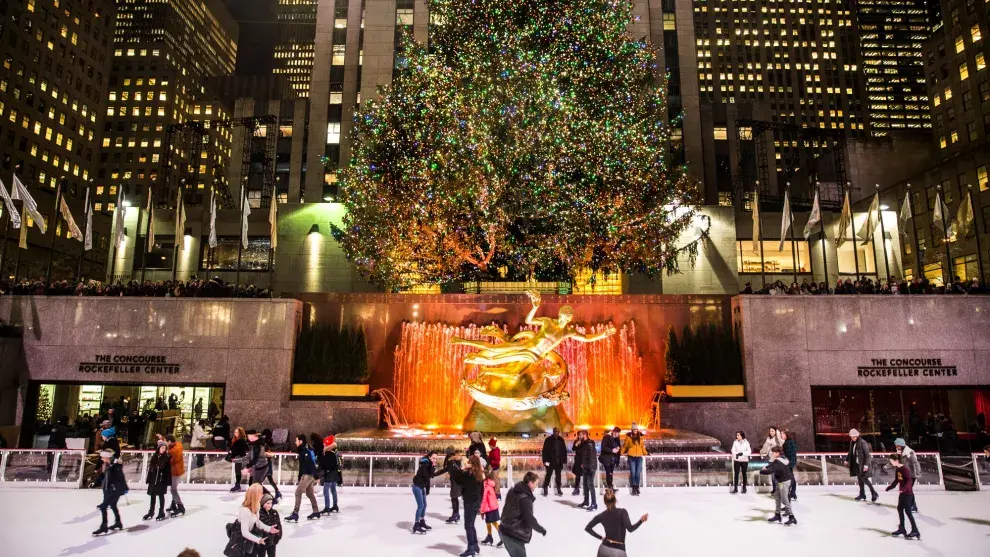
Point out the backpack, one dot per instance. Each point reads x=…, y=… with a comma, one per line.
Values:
x=237, y=546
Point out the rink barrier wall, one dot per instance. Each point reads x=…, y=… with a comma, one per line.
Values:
x=208, y=470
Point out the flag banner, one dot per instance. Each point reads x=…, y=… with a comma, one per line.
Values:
x=118, y=214
x=964, y=217
x=845, y=219
x=938, y=216
x=180, y=221
x=814, y=218
x=872, y=218
x=23, y=241
x=69, y=221
x=30, y=206
x=905, y=216
x=245, y=212
x=756, y=221
x=273, y=220
x=213, y=221
x=151, y=222
x=785, y=220
x=8, y=203
x=88, y=242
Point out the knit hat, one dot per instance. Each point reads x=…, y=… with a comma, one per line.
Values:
x=853, y=432
x=266, y=498
x=635, y=426
x=329, y=440
x=108, y=433
x=899, y=442
x=492, y=442
x=106, y=454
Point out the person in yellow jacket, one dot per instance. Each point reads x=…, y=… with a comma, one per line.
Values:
x=634, y=449
x=178, y=470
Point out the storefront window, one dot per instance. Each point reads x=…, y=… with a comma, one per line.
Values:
x=774, y=260
x=224, y=257
x=933, y=272
x=966, y=267
x=160, y=256
x=848, y=257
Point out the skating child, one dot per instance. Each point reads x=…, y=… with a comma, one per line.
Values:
x=905, y=501
x=268, y=516
x=489, y=505
x=114, y=485
x=780, y=471
x=455, y=488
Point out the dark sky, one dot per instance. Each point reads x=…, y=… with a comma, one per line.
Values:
x=255, y=51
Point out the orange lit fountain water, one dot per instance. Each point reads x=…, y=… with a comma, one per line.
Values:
x=608, y=383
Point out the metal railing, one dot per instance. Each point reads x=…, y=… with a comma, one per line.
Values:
x=209, y=470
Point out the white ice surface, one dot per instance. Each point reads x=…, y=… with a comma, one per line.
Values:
x=48, y=522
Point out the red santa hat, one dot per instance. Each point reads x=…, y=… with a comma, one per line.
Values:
x=492, y=442
x=328, y=441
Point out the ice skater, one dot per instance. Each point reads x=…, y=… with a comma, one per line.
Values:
x=586, y=457
x=616, y=523
x=860, y=460
x=159, y=480
x=421, y=488
x=489, y=505
x=238, y=455
x=741, y=452
x=249, y=519
x=554, y=458
x=780, y=470
x=518, y=521
x=635, y=452
x=471, y=478
x=178, y=465
x=790, y=453
x=905, y=500
x=114, y=485
x=452, y=458
x=910, y=459
x=330, y=468
x=773, y=440
x=268, y=516
x=307, y=479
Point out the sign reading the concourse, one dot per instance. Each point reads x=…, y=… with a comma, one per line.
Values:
x=880, y=368
x=126, y=364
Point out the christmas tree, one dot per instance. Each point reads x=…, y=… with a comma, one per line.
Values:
x=530, y=136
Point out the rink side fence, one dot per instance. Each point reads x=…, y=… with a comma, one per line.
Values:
x=207, y=470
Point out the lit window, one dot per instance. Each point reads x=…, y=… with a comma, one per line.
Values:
x=745, y=133
x=333, y=133
x=963, y=72
x=955, y=136
x=336, y=98
x=720, y=133
x=981, y=178
x=338, y=55
x=960, y=45
x=340, y=23
x=948, y=93
x=941, y=141
x=404, y=16
x=980, y=62
x=975, y=31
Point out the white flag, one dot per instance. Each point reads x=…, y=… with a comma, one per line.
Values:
x=8, y=203
x=906, y=214
x=180, y=221
x=870, y=224
x=814, y=218
x=245, y=211
x=845, y=219
x=756, y=221
x=23, y=241
x=785, y=220
x=69, y=221
x=30, y=206
x=150, y=240
x=213, y=221
x=938, y=216
x=88, y=242
x=273, y=220
x=964, y=217
x=118, y=213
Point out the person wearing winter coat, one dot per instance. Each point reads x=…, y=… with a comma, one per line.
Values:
x=860, y=462
x=616, y=523
x=159, y=480
x=554, y=457
x=268, y=516
x=635, y=451
x=197, y=442
x=740, y=461
x=910, y=459
x=453, y=458
x=178, y=465
x=780, y=469
x=330, y=472
x=611, y=449
x=110, y=441
x=494, y=454
x=773, y=440
x=576, y=466
x=258, y=463
x=471, y=478
x=518, y=522
x=587, y=456
x=790, y=453
x=307, y=479
x=489, y=504
x=477, y=447
x=238, y=454
x=248, y=516
x=905, y=499
x=421, y=488
x=114, y=485
x=221, y=434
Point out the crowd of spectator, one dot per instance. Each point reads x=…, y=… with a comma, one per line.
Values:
x=194, y=288
x=892, y=285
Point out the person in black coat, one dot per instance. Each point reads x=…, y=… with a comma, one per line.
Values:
x=268, y=516
x=452, y=458
x=238, y=454
x=159, y=480
x=477, y=446
x=421, y=488
x=554, y=458
x=586, y=456
x=611, y=447
x=114, y=485
x=471, y=478
x=518, y=522
x=780, y=469
x=221, y=434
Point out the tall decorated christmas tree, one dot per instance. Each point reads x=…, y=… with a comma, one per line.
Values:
x=530, y=137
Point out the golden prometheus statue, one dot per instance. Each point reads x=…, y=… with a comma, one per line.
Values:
x=520, y=381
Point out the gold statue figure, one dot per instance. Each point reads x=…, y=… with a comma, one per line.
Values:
x=523, y=373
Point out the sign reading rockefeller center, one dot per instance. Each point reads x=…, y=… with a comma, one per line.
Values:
x=119, y=363
x=907, y=367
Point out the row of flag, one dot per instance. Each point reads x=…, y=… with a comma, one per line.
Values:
x=958, y=225
x=30, y=208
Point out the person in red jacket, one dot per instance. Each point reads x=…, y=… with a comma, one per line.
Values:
x=494, y=454
x=905, y=501
x=178, y=465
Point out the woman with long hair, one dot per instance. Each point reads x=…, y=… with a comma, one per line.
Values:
x=489, y=505
x=249, y=520
x=471, y=478
x=741, y=451
x=616, y=523
x=159, y=480
x=237, y=454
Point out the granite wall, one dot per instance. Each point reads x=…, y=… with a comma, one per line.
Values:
x=793, y=343
x=246, y=345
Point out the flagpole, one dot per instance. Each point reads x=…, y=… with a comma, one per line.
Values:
x=821, y=224
x=147, y=237
x=82, y=252
x=17, y=254
x=763, y=265
x=852, y=218
x=51, y=249
x=790, y=214
x=945, y=240
x=917, y=245
x=883, y=235
x=3, y=249
x=240, y=242
x=976, y=230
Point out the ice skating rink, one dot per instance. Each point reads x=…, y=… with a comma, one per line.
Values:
x=50, y=523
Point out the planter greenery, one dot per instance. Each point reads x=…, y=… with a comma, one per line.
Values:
x=704, y=356
x=327, y=355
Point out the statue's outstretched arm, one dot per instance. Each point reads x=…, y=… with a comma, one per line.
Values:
x=534, y=298
x=609, y=331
